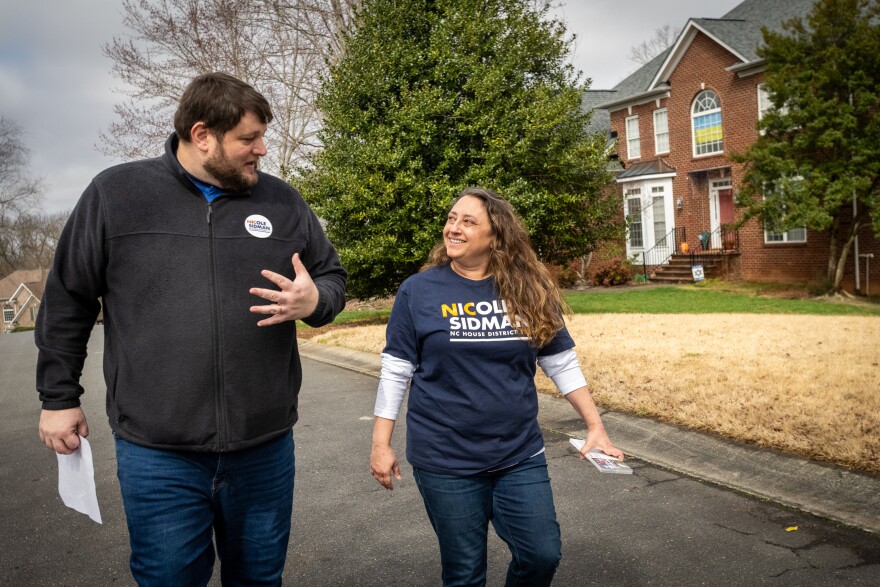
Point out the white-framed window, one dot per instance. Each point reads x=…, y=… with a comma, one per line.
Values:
x=634, y=218
x=8, y=313
x=793, y=235
x=658, y=209
x=706, y=124
x=661, y=131
x=764, y=103
x=633, y=143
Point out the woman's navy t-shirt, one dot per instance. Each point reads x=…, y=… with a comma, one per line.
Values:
x=472, y=405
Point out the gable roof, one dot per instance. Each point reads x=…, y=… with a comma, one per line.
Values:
x=640, y=80
x=33, y=279
x=738, y=31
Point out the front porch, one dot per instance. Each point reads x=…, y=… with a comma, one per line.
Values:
x=671, y=259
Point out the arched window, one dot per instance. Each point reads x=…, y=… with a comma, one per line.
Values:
x=8, y=313
x=706, y=119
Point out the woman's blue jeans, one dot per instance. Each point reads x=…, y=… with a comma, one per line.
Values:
x=519, y=502
x=178, y=504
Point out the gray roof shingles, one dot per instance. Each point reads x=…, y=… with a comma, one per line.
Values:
x=601, y=119
x=739, y=29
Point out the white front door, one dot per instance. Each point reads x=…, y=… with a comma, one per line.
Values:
x=650, y=219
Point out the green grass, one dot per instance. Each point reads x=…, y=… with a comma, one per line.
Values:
x=709, y=297
x=22, y=329
x=357, y=318
x=694, y=300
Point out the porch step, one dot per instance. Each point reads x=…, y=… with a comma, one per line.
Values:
x=678, y=269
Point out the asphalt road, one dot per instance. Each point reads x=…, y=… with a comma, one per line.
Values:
x=655, y=527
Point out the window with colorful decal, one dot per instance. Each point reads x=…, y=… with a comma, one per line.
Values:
x=706, y=119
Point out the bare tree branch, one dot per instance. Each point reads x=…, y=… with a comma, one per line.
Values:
x=281, y=47
x=27, y=240
x=663, y=38
x=18, y=191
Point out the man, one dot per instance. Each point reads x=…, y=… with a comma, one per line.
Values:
x=201, y=397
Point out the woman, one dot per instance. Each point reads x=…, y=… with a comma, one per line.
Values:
x=467, y=331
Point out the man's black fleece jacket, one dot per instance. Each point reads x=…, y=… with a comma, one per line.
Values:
x=185, y=363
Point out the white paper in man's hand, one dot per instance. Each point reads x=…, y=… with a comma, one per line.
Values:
x=76, y=481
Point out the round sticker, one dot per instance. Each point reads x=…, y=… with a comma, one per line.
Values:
x=258, y=226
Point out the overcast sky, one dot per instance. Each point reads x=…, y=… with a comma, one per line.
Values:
x=57, y=85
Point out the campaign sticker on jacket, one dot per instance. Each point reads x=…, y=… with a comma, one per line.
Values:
x=258, y=226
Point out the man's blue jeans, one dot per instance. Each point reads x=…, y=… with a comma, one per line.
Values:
x=519, y=502
x=175, y=502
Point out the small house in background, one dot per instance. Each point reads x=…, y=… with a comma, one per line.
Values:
x=20, y=294
x=677, y=120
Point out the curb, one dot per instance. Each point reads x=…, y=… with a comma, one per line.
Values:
x=833, y=492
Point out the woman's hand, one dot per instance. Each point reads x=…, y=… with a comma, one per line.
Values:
x=598, y=438
x=581, y=400
x=383, y=464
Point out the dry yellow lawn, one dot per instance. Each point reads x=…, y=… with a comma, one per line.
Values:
x=808, y=385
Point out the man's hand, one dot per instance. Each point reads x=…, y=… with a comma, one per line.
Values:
x=60, y=429
x=297, y=299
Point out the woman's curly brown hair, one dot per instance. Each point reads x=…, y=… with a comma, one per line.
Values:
x=523, y=282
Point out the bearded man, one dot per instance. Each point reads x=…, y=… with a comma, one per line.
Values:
x=201, y=396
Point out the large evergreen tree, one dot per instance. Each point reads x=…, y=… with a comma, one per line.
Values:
x=431, y=96
x=819, y=150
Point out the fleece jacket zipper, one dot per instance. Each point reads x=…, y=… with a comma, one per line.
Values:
x=216, y=339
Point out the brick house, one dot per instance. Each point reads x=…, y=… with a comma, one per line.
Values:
x=20, y=294
x=677, y=121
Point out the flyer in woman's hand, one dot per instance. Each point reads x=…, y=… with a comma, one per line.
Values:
x=605, y=463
